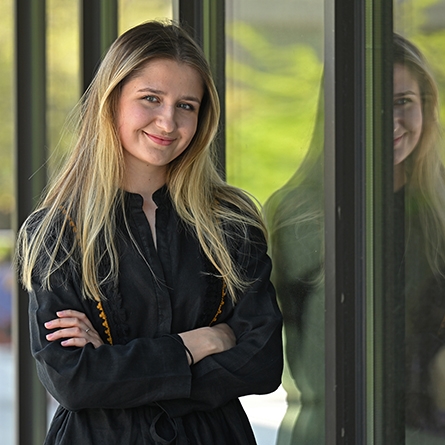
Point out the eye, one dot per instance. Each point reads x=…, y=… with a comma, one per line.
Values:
x=153, y=99
x=186, y=106
x=402, y=101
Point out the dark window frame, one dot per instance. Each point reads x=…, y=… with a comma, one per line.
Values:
x=345, y=247
x=30, y=179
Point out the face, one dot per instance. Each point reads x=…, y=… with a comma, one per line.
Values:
x=158, y=115
x=408, y=117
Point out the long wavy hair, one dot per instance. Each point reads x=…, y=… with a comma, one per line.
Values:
x=425, y=173
x=88, y=190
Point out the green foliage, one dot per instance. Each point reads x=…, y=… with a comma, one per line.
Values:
x=6, y=112
x=63, y=76
x=272, y=94
x=134, y=12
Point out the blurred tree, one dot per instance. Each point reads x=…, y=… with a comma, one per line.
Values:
x=133, y=12
x=6, y=112
x=271, y=103
x=273, y=88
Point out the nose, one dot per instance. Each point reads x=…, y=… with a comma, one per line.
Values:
x=165, y=119
x=398, y=117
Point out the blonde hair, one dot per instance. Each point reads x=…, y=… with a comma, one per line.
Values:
x=88, y=189
x=424, y=167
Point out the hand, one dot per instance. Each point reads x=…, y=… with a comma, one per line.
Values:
x=223, y=336
x=210, y=340
x=75, y=327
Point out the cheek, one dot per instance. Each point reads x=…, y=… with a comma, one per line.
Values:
x=190, y=126
x=414, y=120
x=132, y=114
x=120, y=122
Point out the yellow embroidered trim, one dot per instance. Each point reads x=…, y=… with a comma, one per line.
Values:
x=70, y=221
x=99, y=306
x=105, y=322
x=221, y=304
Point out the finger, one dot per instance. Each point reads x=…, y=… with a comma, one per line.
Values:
x=71, y=332
x=77, y=342
x=70, y=317
x=71, y=313
x=77, y=336
x=58, y=323
x=80, y=342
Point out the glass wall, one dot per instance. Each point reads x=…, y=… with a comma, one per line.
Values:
x=274, y=149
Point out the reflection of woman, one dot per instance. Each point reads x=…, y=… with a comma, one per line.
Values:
x=294, y=215
x=295, y=221
x=151, y=309
x=419, y=177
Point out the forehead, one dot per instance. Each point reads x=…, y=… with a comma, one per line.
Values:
x=164, y=69
x=404, y=80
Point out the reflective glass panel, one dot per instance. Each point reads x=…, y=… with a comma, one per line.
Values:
x=275, y=152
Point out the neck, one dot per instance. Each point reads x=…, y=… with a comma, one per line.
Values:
x=144, y=181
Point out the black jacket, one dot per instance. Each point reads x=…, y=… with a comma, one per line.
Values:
x=140, y=389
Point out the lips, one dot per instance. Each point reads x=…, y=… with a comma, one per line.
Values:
x=160, y=140
x=397, y=139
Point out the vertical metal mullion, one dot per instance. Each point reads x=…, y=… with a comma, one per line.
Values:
x=99, y=21
x=205, y=20
x=389, y=329
x=331, y=411
x=360, y=219
x=214, y=43
x=190, y=15
x=345, y=219
x=30, y=179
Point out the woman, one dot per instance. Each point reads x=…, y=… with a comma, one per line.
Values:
x=151, y=309
x=419, y=184
x=295, y=220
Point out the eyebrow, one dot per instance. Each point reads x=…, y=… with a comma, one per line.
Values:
x=160, y=92
x=406, y=93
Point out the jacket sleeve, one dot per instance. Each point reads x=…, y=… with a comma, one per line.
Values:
x=254, y=365
x=120, y=376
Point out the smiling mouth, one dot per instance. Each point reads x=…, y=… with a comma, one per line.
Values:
x=397, y=140
x=160, y=140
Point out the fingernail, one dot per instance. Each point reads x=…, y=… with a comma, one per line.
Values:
x=59, y=313
x=64, y=343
